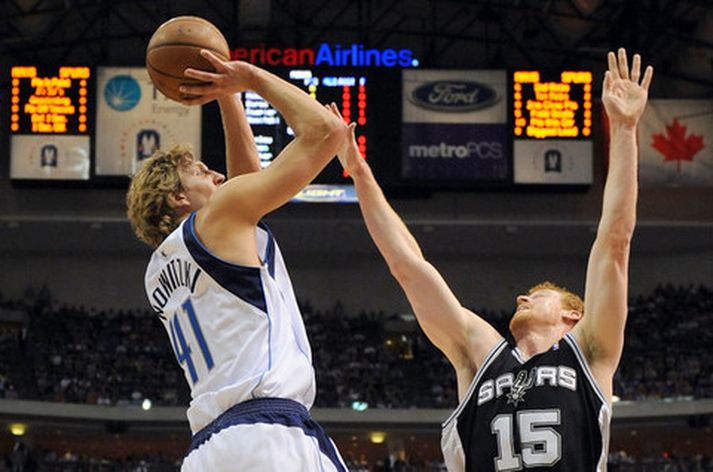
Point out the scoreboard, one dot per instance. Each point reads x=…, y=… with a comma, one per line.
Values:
x=552, y=107
x=54, y=103
x=552, y=127
x=349, y=89
x=49, y=122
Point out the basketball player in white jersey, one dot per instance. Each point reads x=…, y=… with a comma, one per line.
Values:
x=218, y=282
x=545, y=403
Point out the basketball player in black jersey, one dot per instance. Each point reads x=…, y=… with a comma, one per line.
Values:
x=544, y=404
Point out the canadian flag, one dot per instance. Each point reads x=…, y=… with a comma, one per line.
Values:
x=676, y=144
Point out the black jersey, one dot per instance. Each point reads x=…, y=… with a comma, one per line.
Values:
x=543, y=414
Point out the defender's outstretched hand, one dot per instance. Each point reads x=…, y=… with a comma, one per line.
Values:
x=348, y=154
x=624, y=98
x=230, y=77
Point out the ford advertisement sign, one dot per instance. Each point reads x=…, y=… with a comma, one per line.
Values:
x=453, y=96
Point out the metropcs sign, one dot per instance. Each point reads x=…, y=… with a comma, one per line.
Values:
x=354, y=55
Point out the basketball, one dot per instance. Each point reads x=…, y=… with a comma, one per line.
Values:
x=175, y=46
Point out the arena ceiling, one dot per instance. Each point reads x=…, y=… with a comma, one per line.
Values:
x=676, y=36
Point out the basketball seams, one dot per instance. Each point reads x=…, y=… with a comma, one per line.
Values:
x=193, y=18
x=153, y=47
x=186, y=80
x=190, y=45
x=168, y=74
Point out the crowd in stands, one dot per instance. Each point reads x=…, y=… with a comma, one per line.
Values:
x=83, y=355
x=667, y=353
x=23, y=459
x=620, y=461
x=383, y=370
x=76, y=354
x=48, y=461
x=7, y=388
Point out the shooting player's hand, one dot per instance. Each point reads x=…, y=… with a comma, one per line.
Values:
x=229, y=77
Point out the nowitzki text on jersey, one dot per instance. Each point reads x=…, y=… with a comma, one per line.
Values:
x=175, y=274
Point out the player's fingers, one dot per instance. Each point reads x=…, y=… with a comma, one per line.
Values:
x=335, y=109
x=648, y=74
x=195, y=90
x=351, y=127
x=213, y=59
x=201, y=75
x=195, y=100
x=331, y=110
x=623, y=64
x=607, y=80
x=636, y=68
x=613, y=67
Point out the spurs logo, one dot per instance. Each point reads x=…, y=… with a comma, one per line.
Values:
x=523, y=382
x=515, y=385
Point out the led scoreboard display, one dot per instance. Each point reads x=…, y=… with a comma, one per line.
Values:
x=552, y=127
x=552, y=106
x=348, y=89
x=54, y=103
x=49, y=123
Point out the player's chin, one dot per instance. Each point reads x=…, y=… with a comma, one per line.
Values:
x=518, y=320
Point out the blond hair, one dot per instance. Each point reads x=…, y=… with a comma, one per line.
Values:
x=148, y=208
x=570, y=300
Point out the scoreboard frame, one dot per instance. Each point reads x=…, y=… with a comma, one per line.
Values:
x=50, y=123
x=552, y=148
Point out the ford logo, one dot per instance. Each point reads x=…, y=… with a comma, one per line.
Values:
x=453, y=96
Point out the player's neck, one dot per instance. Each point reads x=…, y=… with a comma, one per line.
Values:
x=537, y=341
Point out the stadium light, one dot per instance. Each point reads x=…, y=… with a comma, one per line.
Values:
x=359, y=406
x=18, y=429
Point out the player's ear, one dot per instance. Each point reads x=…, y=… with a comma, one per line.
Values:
x=178, y=200
x=572, y=315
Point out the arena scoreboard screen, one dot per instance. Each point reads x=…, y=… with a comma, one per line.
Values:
x=349, y=89
x=552, y=126
x=49, y=122
x=547, y=106
x=49, y=101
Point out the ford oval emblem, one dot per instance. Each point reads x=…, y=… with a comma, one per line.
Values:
x=453, y=96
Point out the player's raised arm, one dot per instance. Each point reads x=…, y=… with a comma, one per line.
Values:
x=241, y=156
x=601, y=331
x=464, y=337
x=318, y=133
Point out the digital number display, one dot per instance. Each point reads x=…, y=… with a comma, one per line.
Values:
x=349, y=90
x=552, y=105
x=45, y=101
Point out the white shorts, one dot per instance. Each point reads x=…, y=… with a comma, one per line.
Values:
x=265, y=434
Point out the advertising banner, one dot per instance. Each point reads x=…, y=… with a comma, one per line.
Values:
x=454, y=126
x=553, y=162
x=134, y=120
x=49, y=157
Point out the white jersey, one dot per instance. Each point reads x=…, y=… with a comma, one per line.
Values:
x=236, y=330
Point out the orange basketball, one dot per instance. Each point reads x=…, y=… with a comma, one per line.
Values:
x=176, y=45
